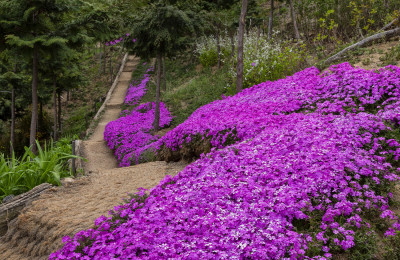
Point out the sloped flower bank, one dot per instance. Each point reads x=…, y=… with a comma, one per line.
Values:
x=132, y=130
x=315, y=156
x=340, y=90
x=136, y=92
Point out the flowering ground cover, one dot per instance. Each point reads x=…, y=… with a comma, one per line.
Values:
x=302, y=167
x=132, y=130
x=136, y=92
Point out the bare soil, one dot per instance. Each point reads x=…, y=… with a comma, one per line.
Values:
x=373, y=60
x=65, y=210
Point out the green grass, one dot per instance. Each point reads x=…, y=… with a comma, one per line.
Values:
x=79, y=120
x=188, y=89
x=392, y=57
x=140, y=70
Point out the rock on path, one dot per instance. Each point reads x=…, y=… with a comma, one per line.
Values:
x=65, y=210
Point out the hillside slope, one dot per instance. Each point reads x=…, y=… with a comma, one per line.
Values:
x=303, y=166
x=65, y=210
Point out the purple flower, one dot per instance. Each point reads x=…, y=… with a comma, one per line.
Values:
x=269, y=164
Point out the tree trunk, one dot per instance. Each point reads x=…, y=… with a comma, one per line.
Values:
x=156, y=123
x=387, y=34
x=59, y=112
x=232, y=36
x=111, y=70
x=40, y=112
x=55, y=108
x=12, y=134
x=218, y=49
x=32, y=136
x=164, y=75
x=296, y=30
x=271, y=19
x=100, y=59
x=239, y=70
x=387, y=26
x=110, y=63
x=105, y=59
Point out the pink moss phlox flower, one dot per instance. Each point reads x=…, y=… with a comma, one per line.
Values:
x=282, y=153
x=116, y=41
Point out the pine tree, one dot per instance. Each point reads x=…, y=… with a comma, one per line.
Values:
x=160, y=30
x=30, y=31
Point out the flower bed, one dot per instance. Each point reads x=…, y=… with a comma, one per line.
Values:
x=132, y=130
x=136, y=92
x=341, y=90
x=309, y=169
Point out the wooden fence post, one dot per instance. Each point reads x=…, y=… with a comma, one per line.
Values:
x=73, y=159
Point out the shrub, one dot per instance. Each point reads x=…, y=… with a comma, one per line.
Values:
x=209, y=58
x=392, y=249
x=266, y=60
x=206, y=49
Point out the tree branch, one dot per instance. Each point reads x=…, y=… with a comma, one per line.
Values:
x=389, y=25
x=387, y=34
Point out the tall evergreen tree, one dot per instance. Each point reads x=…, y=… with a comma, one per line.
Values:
x=30, y=27
x=160, y=29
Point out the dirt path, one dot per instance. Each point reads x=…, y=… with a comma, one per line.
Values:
x=68, y=209
x=95, y=150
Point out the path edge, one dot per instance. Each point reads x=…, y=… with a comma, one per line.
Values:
x=93, y=124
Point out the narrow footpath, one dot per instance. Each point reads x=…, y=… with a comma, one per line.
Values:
x=65, y=210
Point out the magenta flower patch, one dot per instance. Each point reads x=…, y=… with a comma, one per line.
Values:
x=309, y=149
x=128, y=135
x=132, y=131
x=136, y=92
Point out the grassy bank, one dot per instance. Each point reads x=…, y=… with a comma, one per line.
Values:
x=188, y=87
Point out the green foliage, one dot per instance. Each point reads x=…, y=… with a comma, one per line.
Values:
x=160, y=30
x=78, y=120
x=270, y=60
x=147, y=156
x=392, y=57
x=197, y=92
x=366, y=245
x=263, y=59
x=327, y=31
x=22, y=132
x=209, y=58
x=189, y=88
x=392, y=248
x=18, y=175
x=343, y=20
